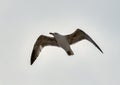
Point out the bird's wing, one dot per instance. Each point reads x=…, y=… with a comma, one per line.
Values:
x=79, y=35
x=41, y=42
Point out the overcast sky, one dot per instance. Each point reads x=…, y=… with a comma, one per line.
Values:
x=21, y=23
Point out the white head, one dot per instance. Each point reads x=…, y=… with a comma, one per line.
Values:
x=54, y=34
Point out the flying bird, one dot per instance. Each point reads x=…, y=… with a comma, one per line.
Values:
x=63, y=41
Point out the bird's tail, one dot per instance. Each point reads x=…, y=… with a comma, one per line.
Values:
x=70, y=52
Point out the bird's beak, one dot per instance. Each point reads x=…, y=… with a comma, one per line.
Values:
x=51, y=33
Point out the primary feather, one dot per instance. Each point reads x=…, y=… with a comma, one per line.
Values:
x=41, y=42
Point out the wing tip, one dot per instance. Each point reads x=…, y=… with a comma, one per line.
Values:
x=33, y=57
x=101, y=51
x=32, y=61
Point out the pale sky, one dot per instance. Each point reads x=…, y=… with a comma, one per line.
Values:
x=21, y=23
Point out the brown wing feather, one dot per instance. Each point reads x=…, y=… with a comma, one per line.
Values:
x=79, y=35
x=41, y=42
x=75, y=36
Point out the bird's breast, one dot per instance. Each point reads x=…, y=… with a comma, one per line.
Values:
x=62, y=42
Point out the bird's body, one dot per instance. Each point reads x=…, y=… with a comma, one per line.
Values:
x=63, y=41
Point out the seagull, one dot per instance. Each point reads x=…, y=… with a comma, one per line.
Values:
x=63, y=41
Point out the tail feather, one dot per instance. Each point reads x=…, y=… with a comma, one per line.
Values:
x=70, y=53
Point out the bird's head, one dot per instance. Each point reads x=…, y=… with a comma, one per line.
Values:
x=53, y=33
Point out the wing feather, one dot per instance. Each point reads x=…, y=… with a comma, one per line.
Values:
x=79, y=35
x=41, y=42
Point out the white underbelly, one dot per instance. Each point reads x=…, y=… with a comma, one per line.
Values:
x=62, y=42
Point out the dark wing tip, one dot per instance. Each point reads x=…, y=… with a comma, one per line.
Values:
x=101, y=51
x=33, y=57
x=31, y=62
x=93, y=42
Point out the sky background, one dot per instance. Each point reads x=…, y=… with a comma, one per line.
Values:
x=21, y=23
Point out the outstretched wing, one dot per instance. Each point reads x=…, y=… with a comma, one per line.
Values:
x=79, y=35
x=41, y=42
